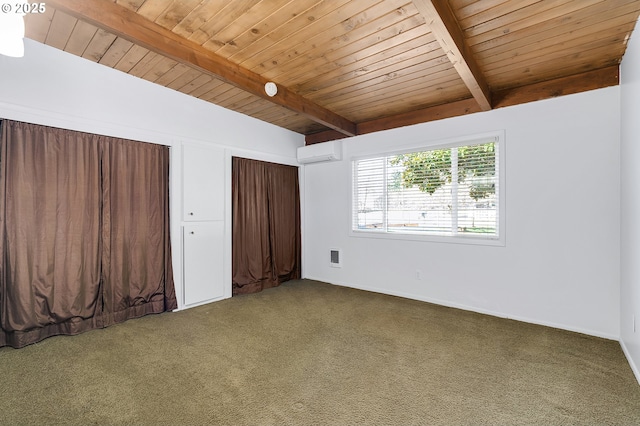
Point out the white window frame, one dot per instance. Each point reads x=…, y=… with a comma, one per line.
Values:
x=499, y=240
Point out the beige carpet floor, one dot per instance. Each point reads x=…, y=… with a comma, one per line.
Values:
x=309, y=353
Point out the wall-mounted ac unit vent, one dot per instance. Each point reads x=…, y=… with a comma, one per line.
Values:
x=325, y=151
x=335, y=258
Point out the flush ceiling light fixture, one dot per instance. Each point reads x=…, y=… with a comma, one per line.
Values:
x=11, y=34
x=271, y=89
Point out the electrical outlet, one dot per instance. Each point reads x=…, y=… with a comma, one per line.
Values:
x=418, y=274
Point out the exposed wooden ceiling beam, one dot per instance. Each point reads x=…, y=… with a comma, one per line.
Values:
x=423, y=115
x=437, y=112
x=324, y=136
x=590, y=80
x=447, y=32
x=135, y=28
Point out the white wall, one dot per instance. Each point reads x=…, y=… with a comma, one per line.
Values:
x=557, y=268
x=560, y=264
x=60, y=88
x=53, y=88
x=630, y=204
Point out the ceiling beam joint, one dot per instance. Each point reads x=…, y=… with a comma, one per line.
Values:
x=446, y=30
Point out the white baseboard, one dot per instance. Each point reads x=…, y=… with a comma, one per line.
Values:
x=632, y=364
x=205, y=302
x=473, y=309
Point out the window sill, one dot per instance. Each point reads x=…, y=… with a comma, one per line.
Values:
x=447, y=239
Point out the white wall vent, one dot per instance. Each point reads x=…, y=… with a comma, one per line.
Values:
x=325, y=151
x=335, y=258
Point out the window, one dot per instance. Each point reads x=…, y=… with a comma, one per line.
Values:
x=451, y=193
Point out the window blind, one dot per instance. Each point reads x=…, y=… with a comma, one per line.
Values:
x=449, y=191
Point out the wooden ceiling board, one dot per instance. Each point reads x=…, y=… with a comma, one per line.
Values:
x=614, y=20
x=365, y=45
x=172, y=70
x=130, y=4
x=589, y=80
x=175, y=13
x=539, y=72
x=184, y=78
x=559, y=20
x=228, y=32
x=494, y=11
x=466, y=3
x=383, y=71
x=342, y=39
x=230, y=11
x=245, y=28
x=218, y=90
x=115, y=52
x=343, y=73
x=153, y=9
x=80, y=37
x=561, y=38
x=556, y=62
x=380, y=111
x=228, y=46
x=189, y=27
x=383, y=77
x=156, y=67
x=227, y=98
x=200, y=84
x=337, y=63
x=131, y=58
x=206, y=88
x=209, y=90
x=387, y=86
x=98, y=45
x=303, y=27
x=419, y=115
x=285, y=118
x=576, y=41
x=60, y=30
x=466, y=8
x=238, y=101
x=37, y=25
x=477, y=32
x=146, y=65
x=418, y=92
x=260, y=106
x=268, y=113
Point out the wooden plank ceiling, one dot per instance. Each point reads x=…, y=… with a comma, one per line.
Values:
x=347, y=67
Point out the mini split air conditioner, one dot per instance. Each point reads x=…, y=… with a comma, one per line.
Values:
x=325, y=151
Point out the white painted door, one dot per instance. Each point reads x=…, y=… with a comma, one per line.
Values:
x=203, y=183
x=203, y=245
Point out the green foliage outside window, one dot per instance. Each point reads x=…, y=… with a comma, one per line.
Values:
x=429, y=170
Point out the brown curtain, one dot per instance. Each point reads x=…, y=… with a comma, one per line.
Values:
x=136, y=251
x=266, y=225
x=84, y=234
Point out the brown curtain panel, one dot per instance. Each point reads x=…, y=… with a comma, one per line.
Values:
x=80, y=246
x=136, y=251
x=266, y=225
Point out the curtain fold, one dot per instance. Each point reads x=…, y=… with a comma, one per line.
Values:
x=284, y=221
x=135, y=226
x=55, y=275
x=266, y=225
